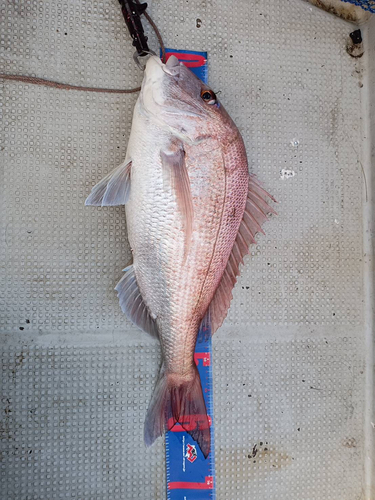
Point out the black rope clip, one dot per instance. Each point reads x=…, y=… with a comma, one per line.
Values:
x=132, y=12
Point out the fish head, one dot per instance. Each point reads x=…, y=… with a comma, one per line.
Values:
x=180, y=102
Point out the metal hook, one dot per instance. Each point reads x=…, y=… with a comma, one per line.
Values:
x=137, y=56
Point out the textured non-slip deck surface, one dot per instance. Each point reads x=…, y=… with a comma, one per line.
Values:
x=289, y=362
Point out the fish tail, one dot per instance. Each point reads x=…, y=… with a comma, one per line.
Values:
x=178, y=399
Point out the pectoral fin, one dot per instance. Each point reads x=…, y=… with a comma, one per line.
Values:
x=174, y=166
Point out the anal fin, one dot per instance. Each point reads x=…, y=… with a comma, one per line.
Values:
x=132, y=303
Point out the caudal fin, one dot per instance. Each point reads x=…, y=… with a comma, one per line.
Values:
x=179, y=399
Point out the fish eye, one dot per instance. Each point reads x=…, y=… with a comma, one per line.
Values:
x=208, y=96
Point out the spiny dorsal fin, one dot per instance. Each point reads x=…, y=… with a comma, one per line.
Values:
x=256, y=211
x=114, y=189
x=132, y=304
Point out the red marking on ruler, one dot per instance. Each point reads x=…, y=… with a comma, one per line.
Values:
x=205, y=356
x=207, y=485
x=191, y=423
x=190, y=60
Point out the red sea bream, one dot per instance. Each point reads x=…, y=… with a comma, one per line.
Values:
x=192, y=212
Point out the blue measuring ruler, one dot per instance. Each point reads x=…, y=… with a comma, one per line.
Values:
x=190, y=476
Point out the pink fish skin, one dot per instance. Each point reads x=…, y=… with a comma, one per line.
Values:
x=192, y=212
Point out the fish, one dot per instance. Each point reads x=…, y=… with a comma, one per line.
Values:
x=192, y=212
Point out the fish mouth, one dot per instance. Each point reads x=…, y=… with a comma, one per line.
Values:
x=159, y=90
x=172, y=66
x=185, y=112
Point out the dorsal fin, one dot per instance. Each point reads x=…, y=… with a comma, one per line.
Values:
x=132, y=304
x=255, y=215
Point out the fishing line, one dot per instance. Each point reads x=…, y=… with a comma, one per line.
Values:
x=196, y=479
x=65, y=86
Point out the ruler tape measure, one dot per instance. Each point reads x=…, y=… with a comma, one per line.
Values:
x=190, y=476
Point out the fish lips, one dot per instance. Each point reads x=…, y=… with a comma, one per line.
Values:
x=172, y=66
x=155, y=67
